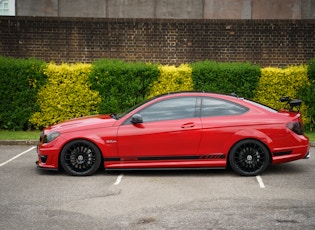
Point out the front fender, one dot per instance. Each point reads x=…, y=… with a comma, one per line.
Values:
x=104, y=139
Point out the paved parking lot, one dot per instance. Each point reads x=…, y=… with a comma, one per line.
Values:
x=282, y=198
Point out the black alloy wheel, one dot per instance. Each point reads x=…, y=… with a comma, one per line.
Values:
x=80, y=158
x=249, y=157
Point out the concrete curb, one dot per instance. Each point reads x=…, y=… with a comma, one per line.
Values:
x=32, y=142
x=19, y=142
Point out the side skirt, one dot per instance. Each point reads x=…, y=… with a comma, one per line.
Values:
x=161, y=169
x=167, y=162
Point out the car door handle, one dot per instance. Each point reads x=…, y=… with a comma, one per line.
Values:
x=188, y=125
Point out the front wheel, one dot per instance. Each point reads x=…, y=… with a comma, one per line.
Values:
x=80, y=158
x=249, y=157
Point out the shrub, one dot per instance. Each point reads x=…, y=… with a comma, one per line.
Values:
x=121, y=84
x=275, y=83
x=66, y=95
x=20, y=80
x=307, y=94
x=172, y=79
x=311, y=69
x=241, y=78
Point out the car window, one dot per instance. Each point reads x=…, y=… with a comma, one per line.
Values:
x=262, y=106
x=219, y=107
x=170, y=109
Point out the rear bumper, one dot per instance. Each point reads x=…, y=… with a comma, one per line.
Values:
x=308, y=155
x=291, y=154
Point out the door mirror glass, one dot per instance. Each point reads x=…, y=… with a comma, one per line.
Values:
x=136, y=119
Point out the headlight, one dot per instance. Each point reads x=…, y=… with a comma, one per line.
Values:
x=51, y=136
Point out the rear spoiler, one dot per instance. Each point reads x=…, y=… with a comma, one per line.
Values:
x=293, y=104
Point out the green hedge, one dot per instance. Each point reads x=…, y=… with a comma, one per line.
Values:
x=241, y=78
x=311, y=69
x=121, y=85
x=307, y=94
x=35, y=94
x=20, y=81
x=275, y=83
x=66, y=95
x=171, y=79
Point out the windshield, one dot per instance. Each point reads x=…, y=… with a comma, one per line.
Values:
x=121, y=115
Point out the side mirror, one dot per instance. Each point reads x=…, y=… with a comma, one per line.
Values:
x=136, y=119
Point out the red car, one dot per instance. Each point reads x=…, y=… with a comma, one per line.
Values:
x=178, y=130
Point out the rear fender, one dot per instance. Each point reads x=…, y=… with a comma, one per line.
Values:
x=249, y=134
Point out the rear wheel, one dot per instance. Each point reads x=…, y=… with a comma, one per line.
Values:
x=80, y=158
x=249, y=157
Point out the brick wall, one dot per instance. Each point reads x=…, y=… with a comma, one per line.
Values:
x=165, y=41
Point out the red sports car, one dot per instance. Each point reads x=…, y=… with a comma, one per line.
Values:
x=178, y=130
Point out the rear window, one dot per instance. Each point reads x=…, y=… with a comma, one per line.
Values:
x=219, y=107
x=262, y=106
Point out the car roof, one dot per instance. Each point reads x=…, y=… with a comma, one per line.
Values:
x=200, y=93
x=232, y=98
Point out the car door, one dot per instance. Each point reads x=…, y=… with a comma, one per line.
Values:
x=220, y=120
x=170, y=130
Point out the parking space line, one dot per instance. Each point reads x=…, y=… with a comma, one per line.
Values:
x=260, y=182
x=13, y=158
x=118, y=180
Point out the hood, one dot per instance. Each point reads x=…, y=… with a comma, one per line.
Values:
x=83, y=123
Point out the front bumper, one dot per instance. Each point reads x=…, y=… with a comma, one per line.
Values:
x=47, y=157
x=45, y=168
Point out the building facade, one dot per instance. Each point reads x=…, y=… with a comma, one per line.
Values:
x=264, y=32
x=162, y=9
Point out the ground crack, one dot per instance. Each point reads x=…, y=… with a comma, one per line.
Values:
x=287, y=221
x=146, y=220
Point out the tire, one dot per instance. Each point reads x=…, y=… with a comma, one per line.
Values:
x=80, y=158
x=249, y=157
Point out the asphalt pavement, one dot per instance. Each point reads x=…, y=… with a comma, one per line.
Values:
x=283, y=197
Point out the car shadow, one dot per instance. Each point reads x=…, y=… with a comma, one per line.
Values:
x=49, y=172
x=149, y=172
x=173, y=172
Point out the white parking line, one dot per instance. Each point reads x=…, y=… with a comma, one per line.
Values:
x=118, y=180
x=260, y=182
x=13, y=158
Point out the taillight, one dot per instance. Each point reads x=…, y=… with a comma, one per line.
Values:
x=296, y=127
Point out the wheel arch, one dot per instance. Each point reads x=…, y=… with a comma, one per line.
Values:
x=249, y=134
x=249, y=157
x=95, y=143
x=249, y=138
